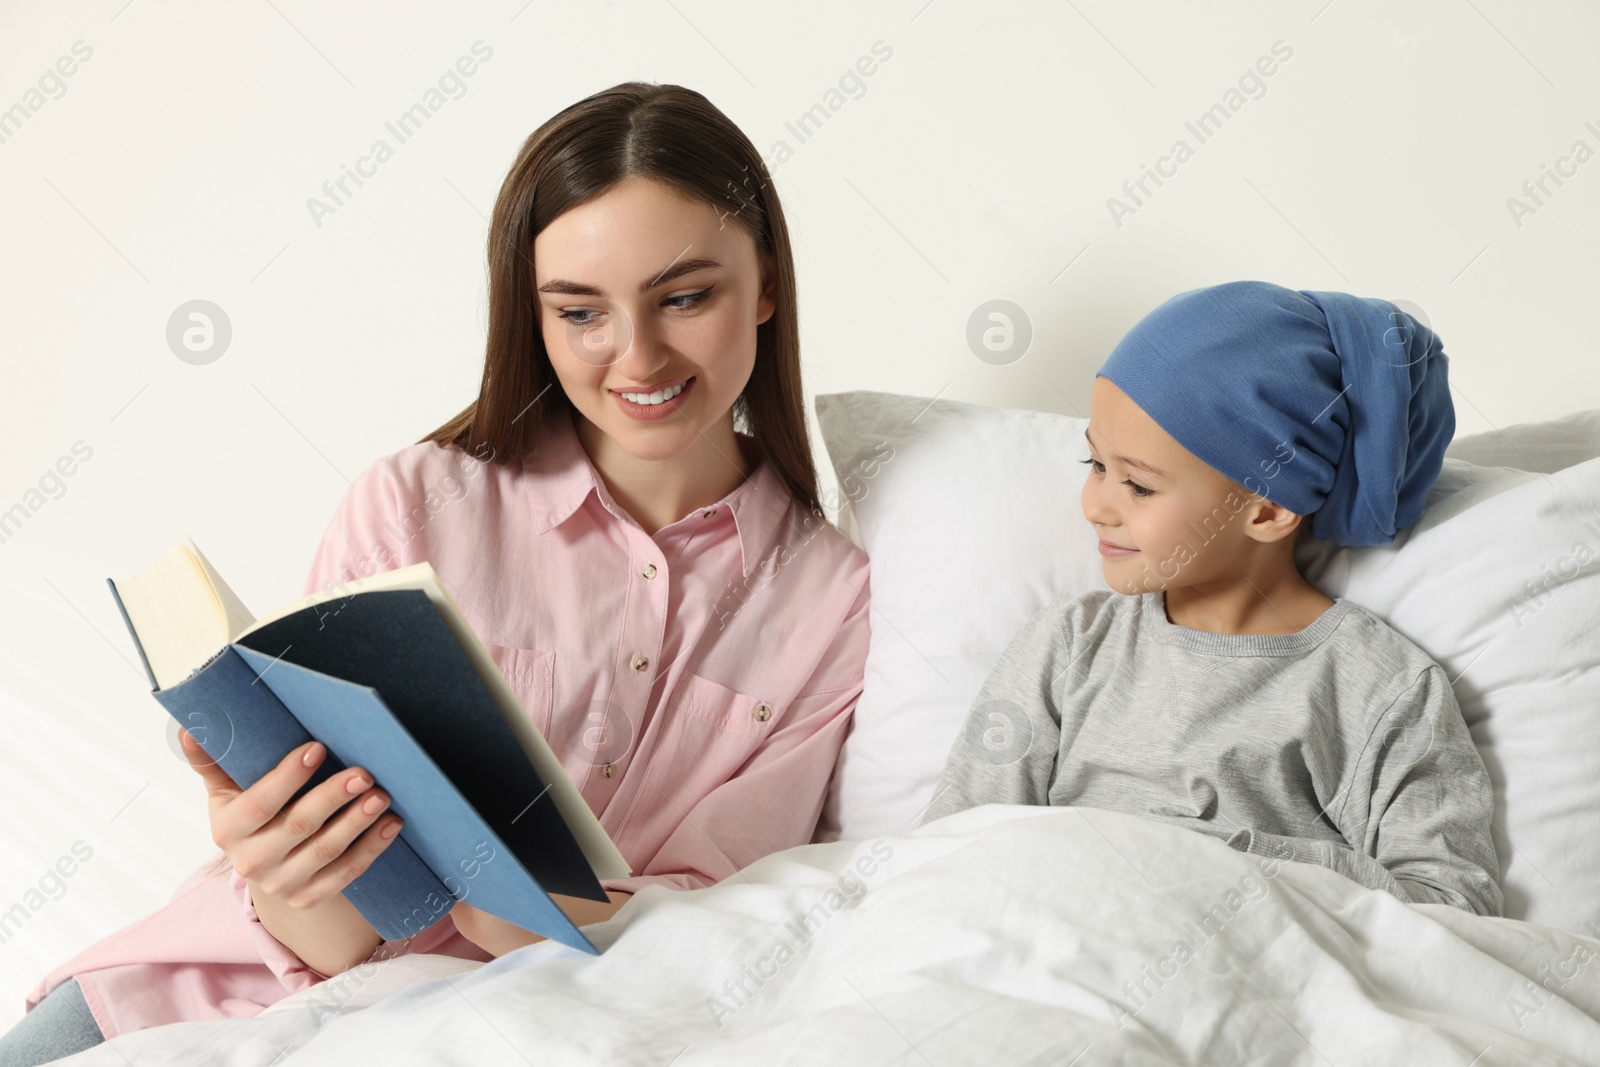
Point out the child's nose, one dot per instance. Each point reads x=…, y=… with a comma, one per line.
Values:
x=1095, y=508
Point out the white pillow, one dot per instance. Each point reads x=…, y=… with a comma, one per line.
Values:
x=1534, y=446
x=973, y=525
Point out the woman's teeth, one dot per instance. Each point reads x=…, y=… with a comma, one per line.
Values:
x=660, y=396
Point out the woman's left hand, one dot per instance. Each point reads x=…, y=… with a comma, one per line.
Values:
x=497, y=937
x=494, y=935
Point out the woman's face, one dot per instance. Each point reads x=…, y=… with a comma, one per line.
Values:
x=1188, y=525
x=640, y=291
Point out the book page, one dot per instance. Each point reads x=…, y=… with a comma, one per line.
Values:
x=228, y=602
x=175, y=614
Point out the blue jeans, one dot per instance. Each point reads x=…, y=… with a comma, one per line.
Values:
x=60, y=1026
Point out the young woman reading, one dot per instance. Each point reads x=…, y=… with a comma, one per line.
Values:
x=658, y=585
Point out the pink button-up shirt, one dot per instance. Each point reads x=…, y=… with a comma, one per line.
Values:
x=697, y=684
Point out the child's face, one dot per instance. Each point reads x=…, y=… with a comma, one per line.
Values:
x=618, y=312
x=1189, y=525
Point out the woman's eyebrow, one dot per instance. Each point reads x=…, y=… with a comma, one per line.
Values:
x=1125, y=461
x=671, y=273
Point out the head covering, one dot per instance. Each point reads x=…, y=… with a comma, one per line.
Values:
x=1324, y=403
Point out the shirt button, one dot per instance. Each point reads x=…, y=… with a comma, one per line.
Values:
x=763, y=713
x=609, y=770
x=649, y=570
x=641, y=662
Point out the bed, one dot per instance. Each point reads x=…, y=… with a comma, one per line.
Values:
x=996, y=936
x=1066, y=936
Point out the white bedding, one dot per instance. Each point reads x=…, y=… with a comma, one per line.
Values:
x=1000, y=935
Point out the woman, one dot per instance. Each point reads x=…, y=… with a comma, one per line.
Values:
x=659, y=587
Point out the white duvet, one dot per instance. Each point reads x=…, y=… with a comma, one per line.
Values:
x=1000, y=935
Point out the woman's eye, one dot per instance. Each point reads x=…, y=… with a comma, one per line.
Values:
x=1138, y=490
x=585, y=316
x=692, y=299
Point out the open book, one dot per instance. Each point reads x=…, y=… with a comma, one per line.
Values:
x=386, y=673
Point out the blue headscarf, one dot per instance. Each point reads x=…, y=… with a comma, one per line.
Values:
x=1323, y=403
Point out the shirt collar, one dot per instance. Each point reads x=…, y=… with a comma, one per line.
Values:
x=758, y=503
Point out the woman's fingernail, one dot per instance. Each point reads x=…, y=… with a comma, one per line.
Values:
x=313, y=754
x=391, y=829
x=356, y=784
x=373, y=804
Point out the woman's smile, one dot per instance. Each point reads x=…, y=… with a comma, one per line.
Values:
x=658, y=403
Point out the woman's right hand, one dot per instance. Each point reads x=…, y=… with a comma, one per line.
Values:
x=307, y=852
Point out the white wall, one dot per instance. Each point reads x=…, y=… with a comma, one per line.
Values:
x=976, y=164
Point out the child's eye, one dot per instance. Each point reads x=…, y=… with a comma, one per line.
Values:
x=1139, y=491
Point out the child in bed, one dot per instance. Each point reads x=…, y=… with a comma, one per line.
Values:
x=1214, y=687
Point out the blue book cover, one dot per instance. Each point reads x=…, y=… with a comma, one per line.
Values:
x=391, y=680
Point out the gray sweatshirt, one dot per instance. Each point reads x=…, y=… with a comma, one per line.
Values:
x=1341, y=744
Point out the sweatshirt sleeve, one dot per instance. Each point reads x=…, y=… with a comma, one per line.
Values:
x=1006, y=750
x=1417, y=809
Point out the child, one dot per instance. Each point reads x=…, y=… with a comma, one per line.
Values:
x=1216, y=688
x=628, y=516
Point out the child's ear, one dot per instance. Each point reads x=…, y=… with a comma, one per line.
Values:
x=1273, y=522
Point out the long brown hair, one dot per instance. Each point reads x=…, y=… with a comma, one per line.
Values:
x=677, y=137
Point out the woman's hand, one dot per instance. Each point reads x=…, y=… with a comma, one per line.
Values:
x=307, y=852
x=494, y=936
x=497, y=937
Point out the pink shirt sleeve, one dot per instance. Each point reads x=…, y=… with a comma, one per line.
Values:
x=286, y=966
x=442, y=938
x=205, y=955
x=360, y=539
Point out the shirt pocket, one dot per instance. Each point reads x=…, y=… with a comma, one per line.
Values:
x=725, y=709
x=532, y=675
x=710, y=732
